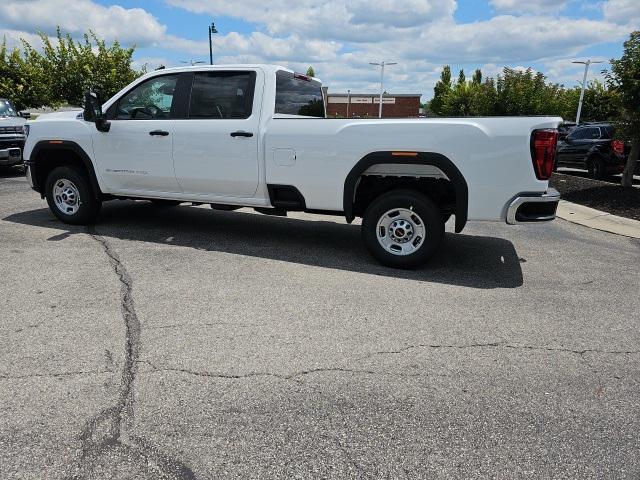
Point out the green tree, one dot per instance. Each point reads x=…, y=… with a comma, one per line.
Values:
x=517, y=92
x=461, y=78
x=63, y=70
x=441, y=91
x=477, y=77
x=484, y=98
x=624, y=77
x=458, y=103
x=599, y=104
x=311, y=72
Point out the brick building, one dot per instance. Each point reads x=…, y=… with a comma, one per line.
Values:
x=366, y=105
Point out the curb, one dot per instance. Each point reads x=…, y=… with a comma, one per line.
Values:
x=598, y=220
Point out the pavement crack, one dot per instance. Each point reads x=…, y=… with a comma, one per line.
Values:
x=107, y=433
x=580, y=352
x=54, y=374
x=192, y=325
x=289, y=377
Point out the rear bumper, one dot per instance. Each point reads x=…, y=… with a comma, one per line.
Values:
x=533, y=207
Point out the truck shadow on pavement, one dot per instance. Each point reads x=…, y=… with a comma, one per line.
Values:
x=11, y=172
x=464, y=260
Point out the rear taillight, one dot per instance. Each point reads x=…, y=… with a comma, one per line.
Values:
x=543, y=152
x=618, y=146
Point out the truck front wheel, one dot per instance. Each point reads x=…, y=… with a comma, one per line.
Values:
x=70, y=196
x=402, y=228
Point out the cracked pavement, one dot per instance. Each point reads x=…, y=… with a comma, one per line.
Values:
x=183, y=343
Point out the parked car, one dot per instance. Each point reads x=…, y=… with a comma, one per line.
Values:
x=564, y=129
x=591, y=147
x=12, y=134
x=257, y=136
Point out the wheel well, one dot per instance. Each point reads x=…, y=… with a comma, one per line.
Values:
x=440, y=191
x=430, y=173
x=46, y=159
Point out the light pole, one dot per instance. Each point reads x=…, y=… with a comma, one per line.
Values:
x=348, y=101
x=381, y=65
x=584, y=85
x=212, y=30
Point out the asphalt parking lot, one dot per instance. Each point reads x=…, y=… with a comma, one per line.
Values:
x=187, y=343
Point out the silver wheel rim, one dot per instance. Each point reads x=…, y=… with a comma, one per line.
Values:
x=66, y=196
x=401, y=231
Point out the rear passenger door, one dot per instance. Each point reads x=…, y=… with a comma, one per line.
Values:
x=215, y=149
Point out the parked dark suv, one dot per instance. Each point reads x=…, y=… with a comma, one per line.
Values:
x=591, y=147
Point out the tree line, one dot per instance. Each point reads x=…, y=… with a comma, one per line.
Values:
x=517, y=92
x=61, y=71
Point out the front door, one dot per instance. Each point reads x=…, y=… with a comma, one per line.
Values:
x=215, y=150
x=135, y=155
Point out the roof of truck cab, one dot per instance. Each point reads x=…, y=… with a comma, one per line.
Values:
x=199, y=68
x=266, y=67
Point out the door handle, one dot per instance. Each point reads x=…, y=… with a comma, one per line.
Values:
x=241, y=133
x=161, y=133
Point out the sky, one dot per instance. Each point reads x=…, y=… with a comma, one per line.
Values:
x=340, y=37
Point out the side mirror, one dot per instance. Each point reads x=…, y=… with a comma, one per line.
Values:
x=26, y=115
x=93, y=111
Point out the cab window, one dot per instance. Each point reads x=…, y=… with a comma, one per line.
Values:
x=222, y=95
x=298, y=95
x=151, y=100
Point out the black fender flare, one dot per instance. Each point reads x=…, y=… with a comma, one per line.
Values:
x=35, y=160
x=421, y=158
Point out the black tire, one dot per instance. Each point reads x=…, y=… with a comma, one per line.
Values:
x=88, y=206
x=596, y=168
x=158, y=202
x=426, y=212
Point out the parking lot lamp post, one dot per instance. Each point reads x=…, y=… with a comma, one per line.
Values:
x=348, y=101
x=382, y=65
x=212, y=30
x=584, y=85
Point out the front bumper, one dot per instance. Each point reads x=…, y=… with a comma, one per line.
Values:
x=10, y=156
x=533, y=207
x=11, y=149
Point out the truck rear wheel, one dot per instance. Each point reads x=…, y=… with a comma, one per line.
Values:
x=70, y=196
x=402, y=228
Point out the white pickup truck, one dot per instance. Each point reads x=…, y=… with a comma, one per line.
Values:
x=257, y=136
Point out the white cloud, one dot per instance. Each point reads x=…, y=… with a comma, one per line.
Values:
x=529, y=6
x=622, y=11
x=509, y=39
x=263, y=48
x=134, y=25
x=354, y=20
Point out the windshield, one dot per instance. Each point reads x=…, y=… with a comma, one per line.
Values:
x=6, y=109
